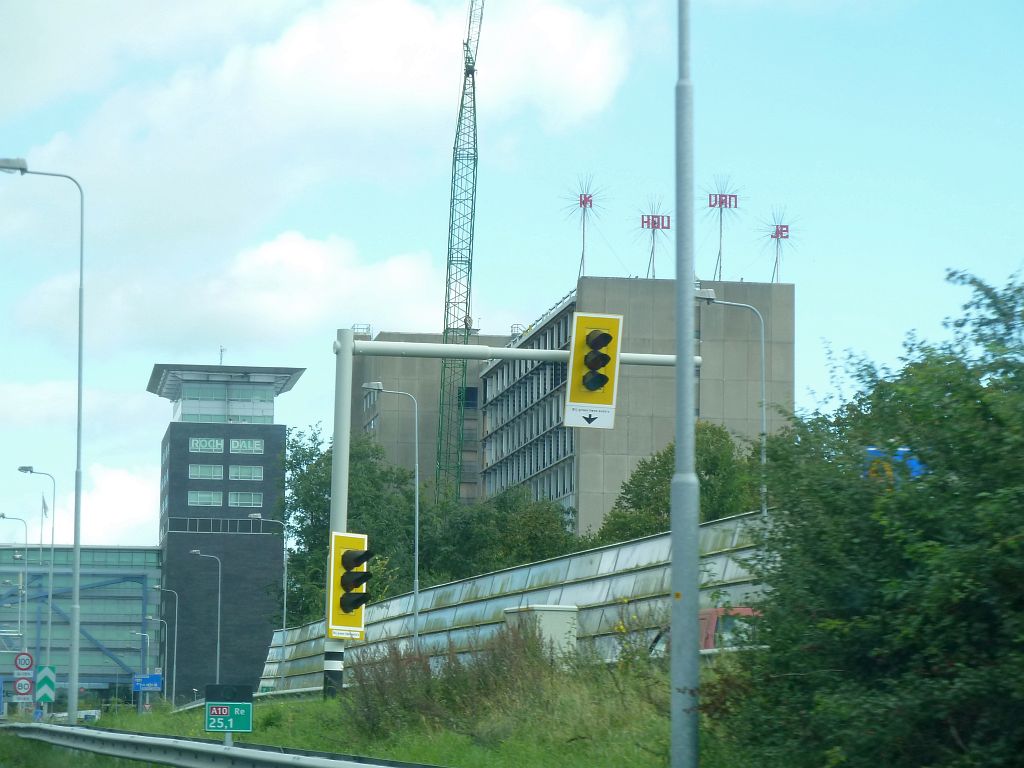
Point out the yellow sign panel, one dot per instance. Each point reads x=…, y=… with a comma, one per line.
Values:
x=593, y=370
x=342, y=625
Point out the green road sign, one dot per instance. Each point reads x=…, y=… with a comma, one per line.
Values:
x=46, y=684
x=227, y=716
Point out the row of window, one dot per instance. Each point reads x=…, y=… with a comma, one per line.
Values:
x=557, y=335
x=220, y=418
x=216, y=499
x=216, y=445
x=216, y=472
x=221, y=392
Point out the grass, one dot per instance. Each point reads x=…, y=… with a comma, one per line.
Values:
x=514, y=706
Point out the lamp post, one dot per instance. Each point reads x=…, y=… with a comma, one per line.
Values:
x=167, y=632
x=214, y=557
x=174, y=656
x=709, y=295
x=24, y=589
x=53, y=527
x=376, y=386
x=284, y=579
x=684, y=670
x=145, y=664
x=20, y=166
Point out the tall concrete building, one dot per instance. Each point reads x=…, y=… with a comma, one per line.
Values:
x=389, y=418
x=524, y=441
x=221, y=503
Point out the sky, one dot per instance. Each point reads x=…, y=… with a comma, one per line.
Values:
x=258, y=175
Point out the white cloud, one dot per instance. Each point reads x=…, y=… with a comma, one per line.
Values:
x=348, y=92
x=36, y=404
x=119, y=507
x=561, y=62
x=288, y=287
x=65, y=47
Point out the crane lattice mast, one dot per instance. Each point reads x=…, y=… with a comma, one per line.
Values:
x=458, y=320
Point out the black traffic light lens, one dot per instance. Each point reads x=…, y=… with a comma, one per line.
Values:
x=598, y=339
x=352, y=600
x=353, y=558
x=353, y=579
x=593, y=381
x=595, y=360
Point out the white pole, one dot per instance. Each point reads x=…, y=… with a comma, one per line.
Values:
x=685, y=493
x=343, y=350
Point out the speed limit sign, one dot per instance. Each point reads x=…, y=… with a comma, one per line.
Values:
x=23, y=686
x=23, y=661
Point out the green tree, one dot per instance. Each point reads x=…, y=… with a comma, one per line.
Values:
x=456, y=540
x=464, y=540
x=379, y=504
x=894, y=616
x=728, y=486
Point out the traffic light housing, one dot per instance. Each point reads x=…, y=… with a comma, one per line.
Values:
x=354, y=578
x=347, y=594
x=594, y=359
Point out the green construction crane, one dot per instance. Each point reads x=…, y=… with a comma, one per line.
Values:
x=458, y=319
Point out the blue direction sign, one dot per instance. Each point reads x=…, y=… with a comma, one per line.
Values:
x=147, y=682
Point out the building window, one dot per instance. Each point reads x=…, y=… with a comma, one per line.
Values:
x=246, y=446
x=205, y=499
x=369, y=399
x=205, y=472
x=245, y=473
x=206, y=444
x=470, y=397
x=245, y=499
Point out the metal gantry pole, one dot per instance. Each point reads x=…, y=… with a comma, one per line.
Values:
x=343, y=349
x=685, y=495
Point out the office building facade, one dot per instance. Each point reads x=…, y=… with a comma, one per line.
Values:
x=389, y=418
x=118, y=611
x=221, y=507
x=524, y=442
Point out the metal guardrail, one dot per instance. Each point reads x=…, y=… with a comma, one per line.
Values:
x=186, y=753
x=618, y=589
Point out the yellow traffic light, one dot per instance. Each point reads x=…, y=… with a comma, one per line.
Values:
x=594, y=359
x=593, y=371
x=349, y=555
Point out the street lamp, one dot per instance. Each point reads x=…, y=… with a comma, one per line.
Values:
x=24, y=590
x=53, y=527
x=174, y=656
x=708, y=295
x=284, y=579
x=145, y=664
x=18, y=165
x=167, y=631
x=214, y=557
x=377, y=386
